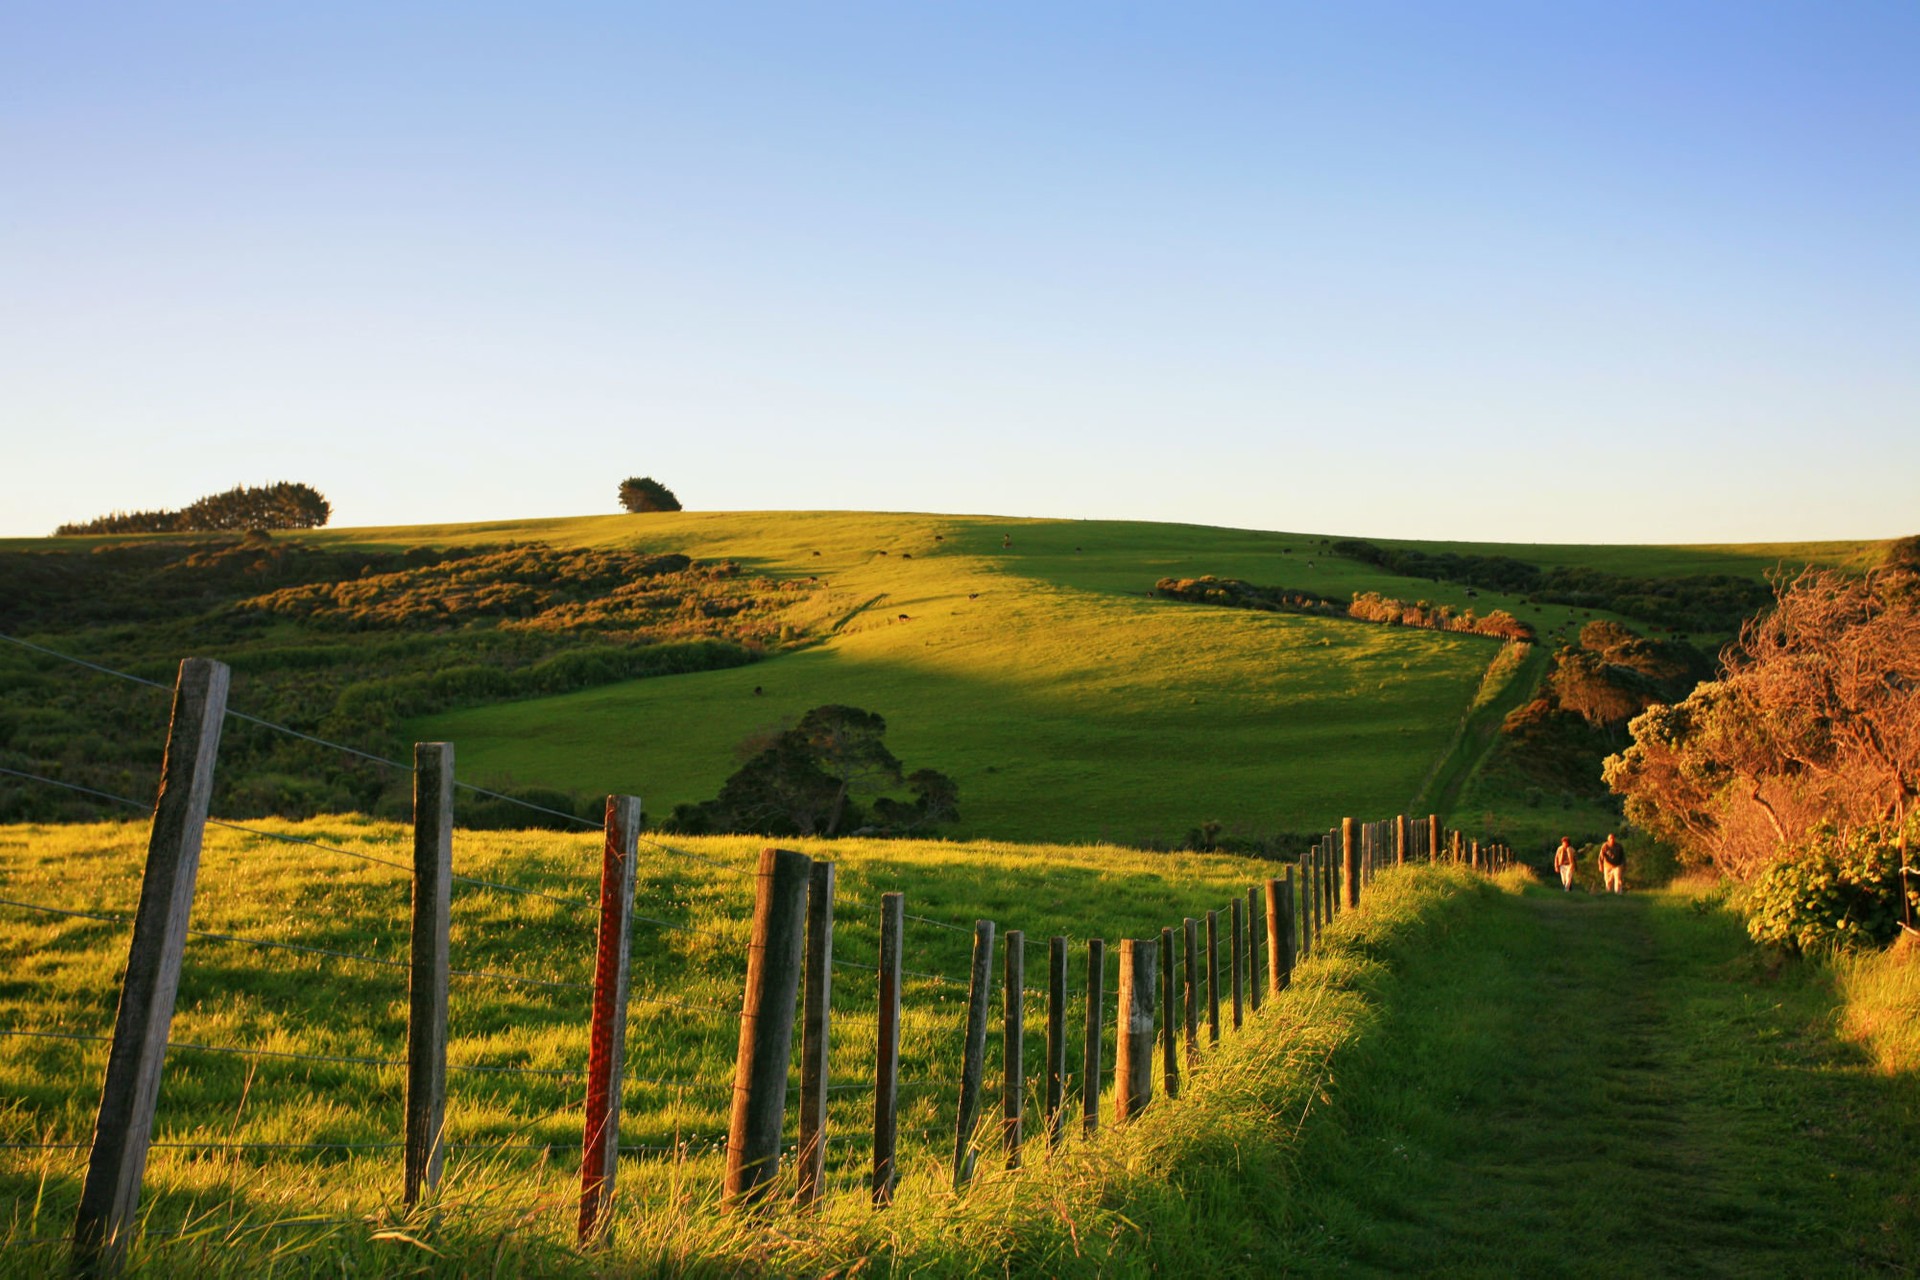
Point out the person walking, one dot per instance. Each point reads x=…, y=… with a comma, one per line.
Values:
x=1563, y=862
x=1613, y=865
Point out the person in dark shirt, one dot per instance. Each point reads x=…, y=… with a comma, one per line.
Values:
x=1613, y=865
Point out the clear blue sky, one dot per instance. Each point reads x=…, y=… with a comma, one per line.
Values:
x=1555, y=271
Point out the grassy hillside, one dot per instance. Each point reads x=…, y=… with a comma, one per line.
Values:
x=1025, y=658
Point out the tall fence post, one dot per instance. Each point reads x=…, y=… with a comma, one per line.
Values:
x=1190, y=987
x=426, y=1147
x=1013, y=1049
x=607, y=1029
x=1253, y=948
x=1308, y=905
x=1213, y=977
x=816, y=1030
x=1090, y=1048
x=130, y=1091
x=766, y=1024
x=1402, y=837
x=1433, y=837
x=1280, y=933
x=1349, y=865
x=973, y=1058
x=1236, y=934
x=1169, y=1022
x=1056, y=1040
x=886, y=1089
x=1133, y=1053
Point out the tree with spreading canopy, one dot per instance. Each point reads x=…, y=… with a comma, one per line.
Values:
x=644, y=493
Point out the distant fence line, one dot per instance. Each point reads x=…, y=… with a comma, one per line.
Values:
x=1170, y=992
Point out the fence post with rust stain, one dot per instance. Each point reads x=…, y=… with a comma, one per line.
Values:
x=607, y=1029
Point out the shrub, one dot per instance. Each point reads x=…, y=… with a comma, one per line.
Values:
x=1834, y=893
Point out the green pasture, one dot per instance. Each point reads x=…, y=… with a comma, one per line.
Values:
x=514, y=1126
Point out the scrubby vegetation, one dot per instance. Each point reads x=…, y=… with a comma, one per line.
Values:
x=1695, y=602
x=342, y=643
x=275, y=506
x=644, y=493
x=1805, y=752
x=1365, y=606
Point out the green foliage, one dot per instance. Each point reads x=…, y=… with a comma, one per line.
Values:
x=276, y=506
x=1695, y=602
x=1832, y=892
x=1366, y=606
x=644, y=493
x=803, y=783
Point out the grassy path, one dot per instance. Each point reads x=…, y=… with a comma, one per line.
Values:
x=1611, y=1086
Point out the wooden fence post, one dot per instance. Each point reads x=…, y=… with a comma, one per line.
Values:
x=1280, y=933
x=1056, y=1040
x=1013, y=1049
x=1433, y=837
x=766, y=1024
x=1308, y=902
x=607, y=1029
x=973, y=1059
x=816, y=1019
x=130, y=1091
x=1090, y=1055
x=1402, y=837
x=1236, y=932
x=1349, y=865
x=1190, y=987
x=1133, y=1054
x=1169, y=1018
x=1330, y=874
x=886, y=1091
x=1213, y=977
x=426, y=1147
x=1253, y=948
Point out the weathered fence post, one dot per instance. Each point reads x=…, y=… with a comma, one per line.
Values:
x=766, y=1024
x=1280, y=933
x=1402, y=837
x=886, y=1089
x=1433, y=837
x=1213, y=977
x=1013, y=1049
x=1090, y=1050
x=972, y=1062
x=1330, y=874
x=1169, y=1024
x=1236, y=932
x=607, y=1029
x=1476, y=855
x=1056, y=1040
x=1253, y=948
x=1349, y=865
x=1133, y=1052
x=1190, y=988
x=1309, y=903
x=816, y=1017
x=123, y=1127
x=426, y=1147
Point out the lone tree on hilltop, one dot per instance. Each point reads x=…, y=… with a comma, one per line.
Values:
x=644, y=493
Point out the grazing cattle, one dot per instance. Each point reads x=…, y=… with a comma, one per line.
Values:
x=880, y=553
x=757, y=691
x=904, y=555
x=973, y=595
x=939, y=537
x=1007, y=540
x=816, y=553
x=906, y=617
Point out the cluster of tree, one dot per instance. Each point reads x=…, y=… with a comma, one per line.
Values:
x=644, y=493
x=140, y=605
x=1699, y=602
x=1592, y=691
x=274, y=506
x=1367, y=606
x=1811, y=735
x=809, y=780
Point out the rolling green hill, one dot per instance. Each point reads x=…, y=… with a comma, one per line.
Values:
x=1028, y=659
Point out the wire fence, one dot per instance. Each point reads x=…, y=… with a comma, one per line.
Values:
x=543, y=1046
